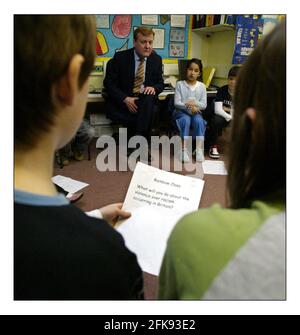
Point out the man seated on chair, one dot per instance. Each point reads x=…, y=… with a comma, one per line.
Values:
x=133, y=81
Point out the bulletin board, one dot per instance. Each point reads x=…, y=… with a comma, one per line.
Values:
x=248, y=31
x=171, y=41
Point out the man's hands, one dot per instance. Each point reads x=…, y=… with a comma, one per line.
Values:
x=111, y=213
x=149, y=90
x=131, y=101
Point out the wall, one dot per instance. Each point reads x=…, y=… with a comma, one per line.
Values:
x=216, y=50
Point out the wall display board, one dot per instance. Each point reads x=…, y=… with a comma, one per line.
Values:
x=115, y=33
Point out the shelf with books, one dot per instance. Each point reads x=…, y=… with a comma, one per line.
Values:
x=214, y=29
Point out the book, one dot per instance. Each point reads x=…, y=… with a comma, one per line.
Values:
x=209, y=20
x=202, y=21
x=223, y=19
x=217, y=19
x=208, y=73
x=157, y=199
x=230, y=19
x=196, y=21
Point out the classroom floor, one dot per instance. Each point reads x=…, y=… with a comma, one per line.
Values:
x=110, y=187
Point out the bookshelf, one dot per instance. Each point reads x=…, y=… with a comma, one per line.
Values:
x=214, y=29
x=214, y=45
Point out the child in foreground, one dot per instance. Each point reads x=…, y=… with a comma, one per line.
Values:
x=60, y=253
x=239, y=252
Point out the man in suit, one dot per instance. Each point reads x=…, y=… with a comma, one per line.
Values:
x=133, y=81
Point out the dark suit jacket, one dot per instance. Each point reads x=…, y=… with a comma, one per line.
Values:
x=119, y=78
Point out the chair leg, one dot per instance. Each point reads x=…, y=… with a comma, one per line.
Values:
x=58, y=159
x=89, y=150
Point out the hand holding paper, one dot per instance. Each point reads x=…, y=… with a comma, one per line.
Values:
x=112, y=213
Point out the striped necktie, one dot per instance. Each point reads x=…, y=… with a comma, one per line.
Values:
x=139, y=77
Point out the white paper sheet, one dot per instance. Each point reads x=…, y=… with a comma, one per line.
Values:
x=161, y=189
x=68, y=184
x=214, y=167
x=102, y=21
x=159, y=40
x=150, y=20
x=157, y=199
x=146, y=234
x=178, y=21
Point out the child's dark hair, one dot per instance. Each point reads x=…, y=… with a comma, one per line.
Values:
x=198, y=62
x=43, y=48
x=233, y=72
x=257, y=156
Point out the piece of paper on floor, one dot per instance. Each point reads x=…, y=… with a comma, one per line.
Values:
x=146, y=234
x=214, y=167
x=68, y=184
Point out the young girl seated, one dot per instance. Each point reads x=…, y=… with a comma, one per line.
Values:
x=190, y=101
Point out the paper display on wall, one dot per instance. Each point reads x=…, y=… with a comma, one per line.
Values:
x=102, y=21
x=178, y=21
x=159, y=40
x=157, y=199
x=151, y=20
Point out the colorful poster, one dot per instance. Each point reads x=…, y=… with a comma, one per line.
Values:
x=119, y=36
x=101, y=44
x=248, y=32
x=177, y=35
x=176, y=50
x=121, y=25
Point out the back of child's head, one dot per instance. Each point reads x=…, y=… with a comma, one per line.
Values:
x=257, y=158
x=233, y=72
x=43, y=48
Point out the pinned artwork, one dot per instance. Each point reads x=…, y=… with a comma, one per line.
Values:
x=176, y=50
x=121, y=25
x=123, y=47
x=101, y=44
x=116, y=33
x=98, y=69
x=177, y=35
x=164, y=19
x=102, y=21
